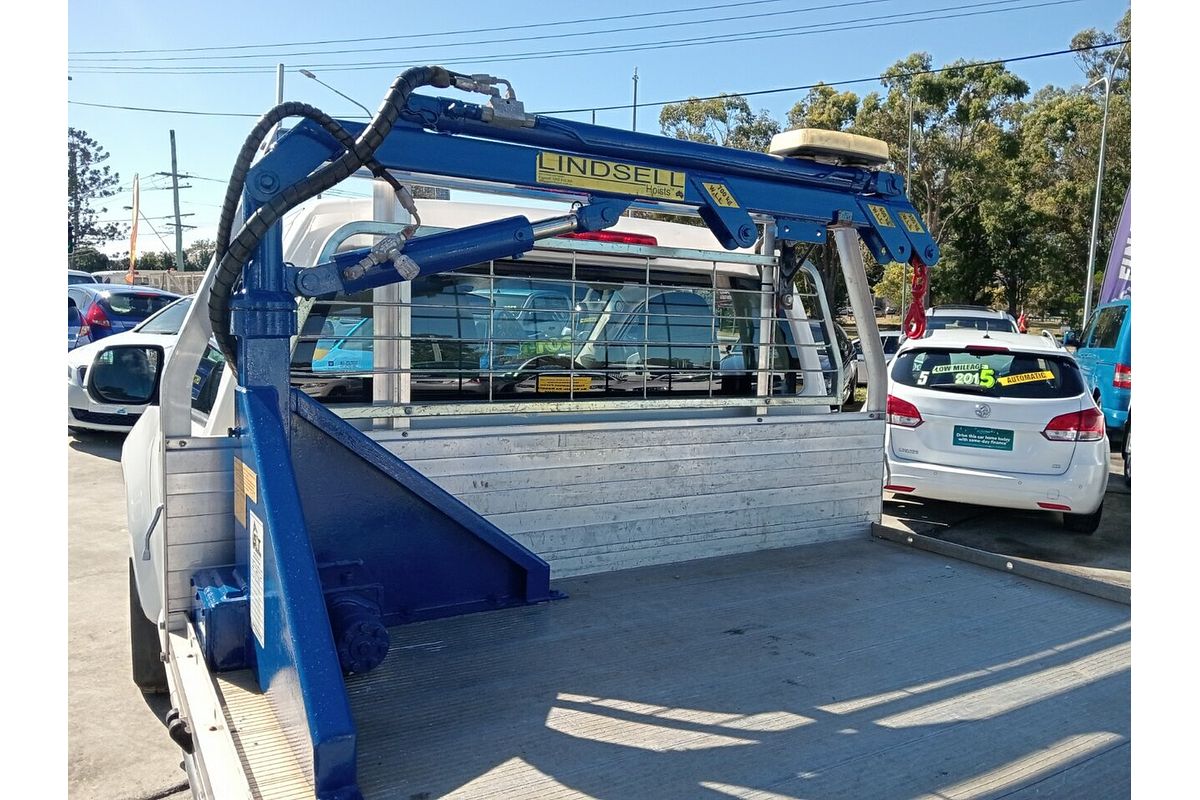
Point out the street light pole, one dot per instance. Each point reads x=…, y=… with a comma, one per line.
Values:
x=908, y=194
x=1091, y=262
x=311, y=76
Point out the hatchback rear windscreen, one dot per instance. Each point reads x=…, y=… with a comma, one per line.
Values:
x=940, y=322
x=990, y=374
x=135, y=306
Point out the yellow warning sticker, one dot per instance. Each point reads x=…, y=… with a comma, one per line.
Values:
x=578, y=172
x=563, y=383
x=250, y=483
x=1026, y=377
x=911, y=222
x=881, y=215
x=239, y=492
x=721, y=195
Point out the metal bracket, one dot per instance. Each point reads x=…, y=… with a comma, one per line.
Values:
x=798, y=230
x=728, y=221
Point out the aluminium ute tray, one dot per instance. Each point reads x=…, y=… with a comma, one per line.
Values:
x=853, y=669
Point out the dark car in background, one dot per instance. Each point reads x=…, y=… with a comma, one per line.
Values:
x=105, y=309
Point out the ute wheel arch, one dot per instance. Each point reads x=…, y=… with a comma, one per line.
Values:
x=149, y=672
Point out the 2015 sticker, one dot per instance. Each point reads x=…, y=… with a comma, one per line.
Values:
x=984, y=377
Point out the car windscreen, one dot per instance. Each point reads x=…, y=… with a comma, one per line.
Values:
x=135, y=305
x=890, y=345
x=940, y=322
x=989, y=373
x=169, y=321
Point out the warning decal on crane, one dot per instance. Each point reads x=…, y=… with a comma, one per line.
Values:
x=256, y=578
x=911, y=222
x=579, y=172
x=721, y=195
x=881, y=215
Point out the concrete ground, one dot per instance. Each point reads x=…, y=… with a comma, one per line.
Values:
x=117, y=746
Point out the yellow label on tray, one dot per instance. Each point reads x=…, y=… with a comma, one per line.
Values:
x=563, y=383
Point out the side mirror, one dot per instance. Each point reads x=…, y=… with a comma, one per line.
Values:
x=126, y=375
x=1070, y=339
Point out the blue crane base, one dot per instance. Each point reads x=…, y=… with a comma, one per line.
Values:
x=339, y=539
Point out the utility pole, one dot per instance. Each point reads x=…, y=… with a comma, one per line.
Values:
x=73, y=197
x=178, y=225
x=635, y=80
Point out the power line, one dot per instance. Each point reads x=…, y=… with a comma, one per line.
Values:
x=849, y=82
x=753, y=93
x=164, y=110
x=540, y=55
x=401, y=37
x=443, y=45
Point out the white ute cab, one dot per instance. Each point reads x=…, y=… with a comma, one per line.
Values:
x=996, y=419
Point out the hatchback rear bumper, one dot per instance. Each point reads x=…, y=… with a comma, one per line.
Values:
x=1081, y=488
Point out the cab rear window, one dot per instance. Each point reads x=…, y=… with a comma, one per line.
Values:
x=991, y=374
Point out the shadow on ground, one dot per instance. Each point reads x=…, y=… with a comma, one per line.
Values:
x=97, y=443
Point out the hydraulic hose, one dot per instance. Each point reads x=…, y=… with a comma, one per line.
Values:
x=359, y=152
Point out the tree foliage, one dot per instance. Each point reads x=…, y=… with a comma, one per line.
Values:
x=1004, y=180
x=197, y=255
x=727, y=121
x=89, y=181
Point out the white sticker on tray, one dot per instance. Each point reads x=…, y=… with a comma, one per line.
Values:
x=256, y=578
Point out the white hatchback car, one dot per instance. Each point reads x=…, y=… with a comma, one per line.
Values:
x=996, y=419
x=111, y=382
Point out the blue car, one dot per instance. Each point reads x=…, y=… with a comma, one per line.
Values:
x=106, y=308
x=1103, y=354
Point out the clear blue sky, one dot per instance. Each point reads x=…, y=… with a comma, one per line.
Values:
x=138, y=141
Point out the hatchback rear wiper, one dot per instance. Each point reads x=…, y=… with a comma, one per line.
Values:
x=962, y=388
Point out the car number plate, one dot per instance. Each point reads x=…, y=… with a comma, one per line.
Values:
x=985, y=438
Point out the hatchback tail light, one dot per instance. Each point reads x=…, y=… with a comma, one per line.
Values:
x=1121, y=376
x=1078, y=426
x=96, y=318
x=902, y=413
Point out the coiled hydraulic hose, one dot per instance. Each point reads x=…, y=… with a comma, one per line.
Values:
x=360, y=152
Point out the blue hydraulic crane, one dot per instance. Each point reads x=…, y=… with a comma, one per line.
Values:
x=322, y=580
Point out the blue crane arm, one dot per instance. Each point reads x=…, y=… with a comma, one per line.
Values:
x=731, y=189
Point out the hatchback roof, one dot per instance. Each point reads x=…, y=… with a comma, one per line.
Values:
x=122, y=288
x=969, y=337
x=957, y=309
